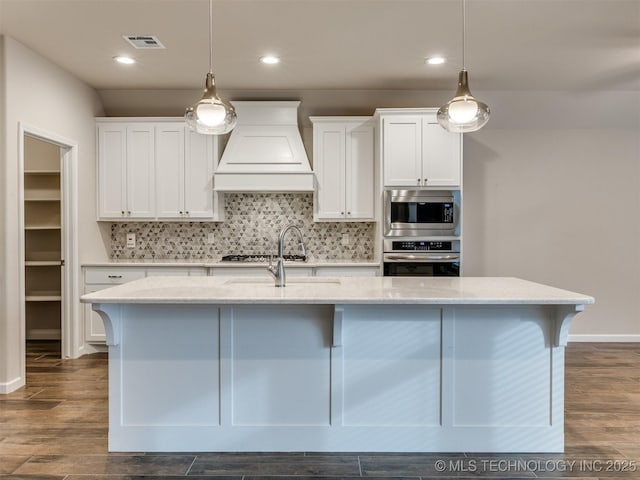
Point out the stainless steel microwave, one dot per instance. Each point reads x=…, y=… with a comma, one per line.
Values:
x=411, y=213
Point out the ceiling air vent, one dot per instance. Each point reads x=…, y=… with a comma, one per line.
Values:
x=143, y=41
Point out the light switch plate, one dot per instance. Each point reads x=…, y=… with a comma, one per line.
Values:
x=345, y=239
x=131, y=240
x=211, y=238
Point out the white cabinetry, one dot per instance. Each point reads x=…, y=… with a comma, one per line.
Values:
x=156, y=271
x=184, y=178
x=352, y=271
x=297, y=271
x=261, y=271
x=417, y=151
x=343, y=161
x=126, y=156
x=156, y=169
x=99, y=278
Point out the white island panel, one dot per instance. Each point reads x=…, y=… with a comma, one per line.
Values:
x=349, y=364
x=391, y=364
x=511, y=369
x=281, y=365
x=171, y=375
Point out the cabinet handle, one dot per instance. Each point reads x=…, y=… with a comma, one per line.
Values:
x=425, y=180
x=114, y=276
x=341, y=213
x=181, y=212
x=129, y=212
x=348, y=213
x=187, y=212
x=122, y=212
x=418, y=181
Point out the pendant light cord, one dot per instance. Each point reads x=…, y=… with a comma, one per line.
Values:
x=210, y=36
x=464, y=27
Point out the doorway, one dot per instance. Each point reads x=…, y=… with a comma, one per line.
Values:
x=43, y=259
x=49, y=303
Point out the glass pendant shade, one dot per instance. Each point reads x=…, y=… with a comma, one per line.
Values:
x=211, y=116
x=463, y=113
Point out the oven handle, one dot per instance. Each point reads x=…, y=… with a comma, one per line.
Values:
x=403, y=257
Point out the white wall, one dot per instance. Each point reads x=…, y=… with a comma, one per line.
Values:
x=4, y=327
x=551, y=195
x=44, y=96
x=551, y=185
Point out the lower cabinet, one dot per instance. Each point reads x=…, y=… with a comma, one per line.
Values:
x=258, y=271
x=364, y=271
x=99, y=278
x=176, y=272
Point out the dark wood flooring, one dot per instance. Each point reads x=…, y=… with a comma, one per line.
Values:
x=56, y=428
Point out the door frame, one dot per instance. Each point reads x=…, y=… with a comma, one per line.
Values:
x=70, y=327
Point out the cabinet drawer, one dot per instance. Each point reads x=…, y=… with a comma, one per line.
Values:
x=112, y=276
x=258, y=271
x=346, y=271
x=176, y=272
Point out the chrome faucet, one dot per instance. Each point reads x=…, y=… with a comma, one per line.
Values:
x=277, y=271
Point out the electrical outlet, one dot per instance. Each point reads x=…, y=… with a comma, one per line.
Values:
x=345, y=239
x=211, y=238
x=131, y=240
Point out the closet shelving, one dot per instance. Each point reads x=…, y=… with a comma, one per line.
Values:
x=42, y=234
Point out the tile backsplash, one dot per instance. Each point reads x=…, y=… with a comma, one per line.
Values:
x=252, y=225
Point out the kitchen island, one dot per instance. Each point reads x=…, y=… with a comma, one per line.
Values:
x=336, y=364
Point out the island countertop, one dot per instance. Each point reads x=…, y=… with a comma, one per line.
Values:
x=342, y=290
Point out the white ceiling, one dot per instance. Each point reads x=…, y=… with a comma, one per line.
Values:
x=338, y=44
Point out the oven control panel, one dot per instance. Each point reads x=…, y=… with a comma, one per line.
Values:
x=421, y=245
x=414, y=246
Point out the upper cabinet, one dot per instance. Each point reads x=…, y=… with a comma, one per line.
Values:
x=184, y=173
x=156, y=170
x=343, y=161
x=126, y=156
x=417, y=151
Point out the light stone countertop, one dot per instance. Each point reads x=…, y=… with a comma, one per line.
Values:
x=343, y=290
x=165, y=262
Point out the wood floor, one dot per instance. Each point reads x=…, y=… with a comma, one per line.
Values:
x=56, y=428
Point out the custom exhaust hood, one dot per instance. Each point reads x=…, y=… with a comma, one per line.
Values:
x=265, y=152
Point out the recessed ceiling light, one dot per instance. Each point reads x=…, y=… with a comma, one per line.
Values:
x=435, y=60
x=124, y=60
x=270, y=59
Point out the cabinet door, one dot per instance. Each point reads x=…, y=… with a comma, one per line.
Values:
x=441, y=152
x=112, y=154
x=359, y=168
x=198, y=192
x=329, y=166
x=99, y=278
x=140, y=171
x=176, y=271
x=170, y=170
x=93, y=324
x=402, y=151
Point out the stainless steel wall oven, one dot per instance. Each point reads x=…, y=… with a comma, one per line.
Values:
x=421, y=258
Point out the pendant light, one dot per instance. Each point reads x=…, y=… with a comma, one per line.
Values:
x=463, y=113
x=211, y=115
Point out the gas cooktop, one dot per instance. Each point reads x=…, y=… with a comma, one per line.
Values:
x=262, y=258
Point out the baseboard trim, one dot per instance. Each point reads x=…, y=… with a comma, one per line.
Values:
x=44, y=334
x=89, y=348
x=604, y=338
x=13, y=385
